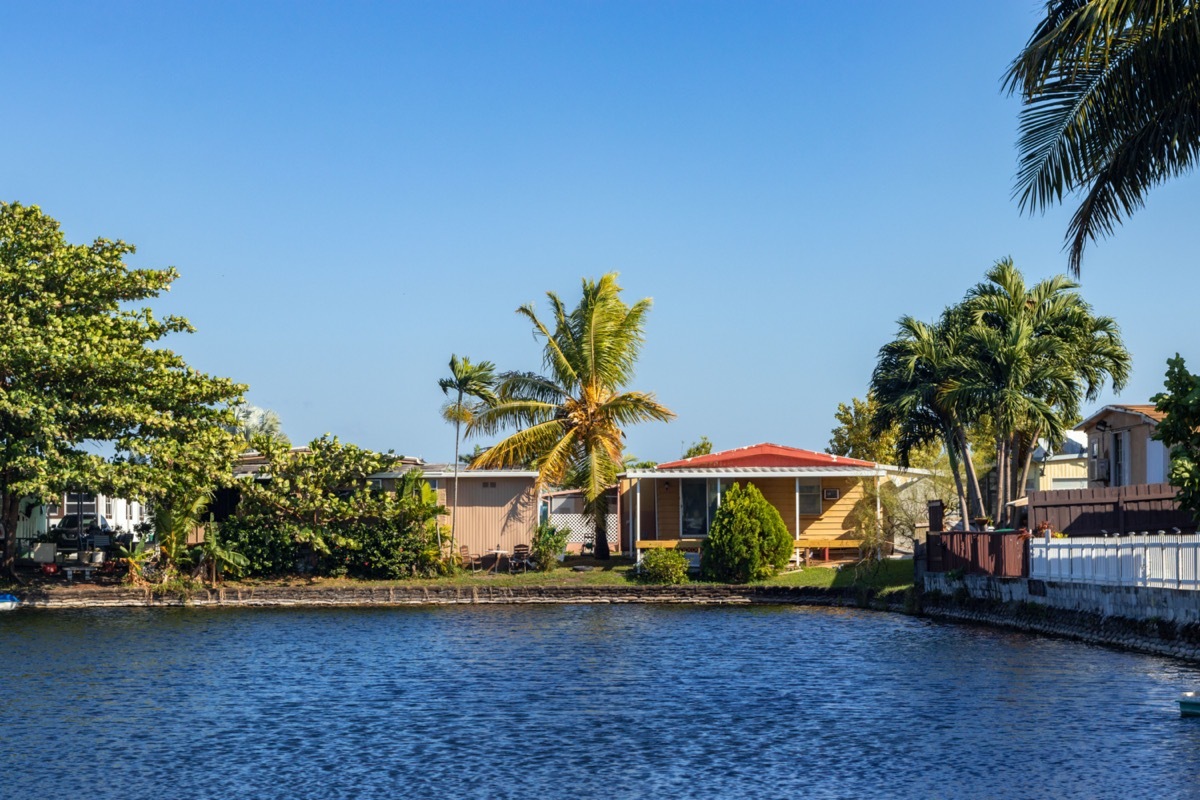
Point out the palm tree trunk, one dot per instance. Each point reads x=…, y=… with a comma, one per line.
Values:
x=973, y=489
x=454, y=503
x=952, y=454
x=1023, y=482
x=599, y=511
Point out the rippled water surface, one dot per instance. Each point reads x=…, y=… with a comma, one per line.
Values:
x=576, y=701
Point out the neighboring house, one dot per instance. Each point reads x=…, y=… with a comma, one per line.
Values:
x=1120, y=450
x=672, y=505
x=496, y=510
x=1064, y=468
x=121, y=514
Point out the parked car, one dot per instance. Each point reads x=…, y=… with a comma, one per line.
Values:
x=73, y=528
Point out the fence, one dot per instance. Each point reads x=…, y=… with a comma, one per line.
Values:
x=998, y=554
x=581, y=529
x=1164, y=560
x=1092, y=512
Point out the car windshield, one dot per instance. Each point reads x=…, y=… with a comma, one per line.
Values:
x=71, y=522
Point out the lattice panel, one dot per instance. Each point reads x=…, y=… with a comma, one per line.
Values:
x=581, y=527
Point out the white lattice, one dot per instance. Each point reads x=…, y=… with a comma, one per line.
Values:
x=581, y=528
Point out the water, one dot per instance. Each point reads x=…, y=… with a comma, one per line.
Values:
x=576, y=701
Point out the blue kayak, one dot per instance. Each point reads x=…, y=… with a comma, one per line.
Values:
x=8, y=602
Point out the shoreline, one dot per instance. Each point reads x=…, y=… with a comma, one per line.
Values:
x=1110, y=632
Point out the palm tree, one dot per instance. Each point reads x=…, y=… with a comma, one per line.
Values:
x=909, y=388
x=1112, y=107
x=569, y=422
x=1034, y=353
x=466, y=380
x=253, y=422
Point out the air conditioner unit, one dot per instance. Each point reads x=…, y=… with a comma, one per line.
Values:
x=1100, y=470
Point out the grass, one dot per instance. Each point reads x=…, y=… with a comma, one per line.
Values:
x=891, y=576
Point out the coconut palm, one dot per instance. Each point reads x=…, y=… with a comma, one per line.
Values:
x=253, y=422
x=466, y=381
x=569, y=421
x=1112, y=107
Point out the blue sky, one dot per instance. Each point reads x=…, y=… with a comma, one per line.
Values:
x=354, y=191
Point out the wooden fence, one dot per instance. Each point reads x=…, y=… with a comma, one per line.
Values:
x=1169, y=561
x=1147, y=507
x=998, y=554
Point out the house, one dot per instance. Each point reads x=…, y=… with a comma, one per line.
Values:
x=672, y=505
x=120, y=514
x=1120, y=450
x=496, y=510
x=1065, y=467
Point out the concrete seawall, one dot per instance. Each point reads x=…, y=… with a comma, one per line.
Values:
x=300, y=596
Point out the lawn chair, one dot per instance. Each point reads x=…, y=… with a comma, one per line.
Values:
x=469, y=559
x=520, y=558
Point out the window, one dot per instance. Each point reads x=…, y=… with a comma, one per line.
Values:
x=432, y=483
x=108, y=507
x=808, y=498
x=698, y=500
x=80, y=503
x=1118, y=460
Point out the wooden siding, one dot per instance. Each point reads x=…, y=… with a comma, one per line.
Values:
x=660, y=507
x=490, y=517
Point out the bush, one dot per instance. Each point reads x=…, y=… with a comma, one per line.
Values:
x=547, y=545
x=664, y=565
x=747, y=541
x=270, y=552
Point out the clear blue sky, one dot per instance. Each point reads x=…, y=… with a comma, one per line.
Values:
x=354, y=191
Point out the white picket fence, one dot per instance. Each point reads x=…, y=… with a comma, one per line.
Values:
x=1169, y=561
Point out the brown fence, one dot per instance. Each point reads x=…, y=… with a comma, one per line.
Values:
x=1121, y=509
x=1003, y=555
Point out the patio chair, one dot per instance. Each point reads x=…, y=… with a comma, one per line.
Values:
x=520, y=558
x=469, y=559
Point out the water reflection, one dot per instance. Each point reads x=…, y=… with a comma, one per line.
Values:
x=577, y=701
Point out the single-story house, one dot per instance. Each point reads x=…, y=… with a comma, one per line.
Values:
x=1065, y=467
x=672, y=505
x=1120, y=450
x=497, y=508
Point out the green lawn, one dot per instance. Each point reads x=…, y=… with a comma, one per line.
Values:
x=890, y=576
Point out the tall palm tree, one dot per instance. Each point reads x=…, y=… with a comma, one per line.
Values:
x=1034, y=353
x=466, y=380
x=569, y=422
x=909, y=387
x=1112, y=107
x=253, y=422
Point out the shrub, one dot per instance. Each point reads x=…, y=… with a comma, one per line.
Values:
x=547, y=545
x=664, y=565
x=270, y=551
x=748, y=539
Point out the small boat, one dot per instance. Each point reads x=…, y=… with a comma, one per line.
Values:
x=1189, y=704
x=8, y=602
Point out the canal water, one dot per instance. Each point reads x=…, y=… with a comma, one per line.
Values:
x=577, y=701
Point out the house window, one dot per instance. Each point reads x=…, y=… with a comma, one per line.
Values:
x=1119, y=457
x=808, y=497
x=108, y=507
x=80, y=503
x=698, y=500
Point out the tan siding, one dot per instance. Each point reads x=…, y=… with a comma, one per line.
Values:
x=779, y=492
x=837, y=519
x=490, y=517
x=667, y=513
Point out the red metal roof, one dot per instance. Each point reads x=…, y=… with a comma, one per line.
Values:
x=766, y=455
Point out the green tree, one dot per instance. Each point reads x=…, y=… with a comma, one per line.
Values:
x=748, y=539
x=1179, y=430
x=570, y=421
x=854, y=438
x=472, y=382
x=700, y=448
x=81, y=366
x=1111, y=99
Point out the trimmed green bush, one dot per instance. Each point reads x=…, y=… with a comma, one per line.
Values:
x=664, y=565
x=547, y=544
x=748, y=539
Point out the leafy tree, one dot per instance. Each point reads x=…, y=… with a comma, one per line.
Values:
x=700, y=448
x=1111, y=100
x=630, y=461
x=80, y=365
x=1180, y=431
x=854, y=438
x=569, y=422
x=748, y=539
x=466, y=380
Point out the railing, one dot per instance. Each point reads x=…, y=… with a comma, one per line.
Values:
x=1162, y=560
